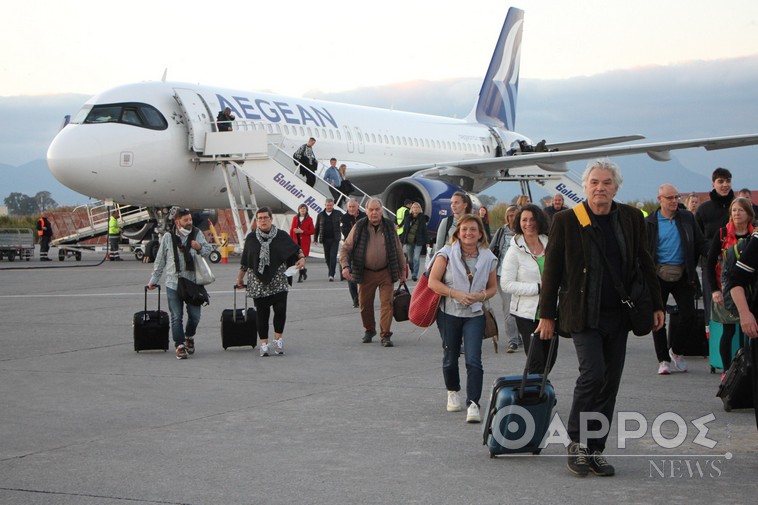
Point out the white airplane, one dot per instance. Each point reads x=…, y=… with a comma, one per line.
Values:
x=156, y=144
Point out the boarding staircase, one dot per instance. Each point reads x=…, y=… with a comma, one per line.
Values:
x=90, y=221
x=251, y=158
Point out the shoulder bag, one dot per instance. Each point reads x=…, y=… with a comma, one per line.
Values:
x=424, y=303
x=190, y=292
x=203, y=273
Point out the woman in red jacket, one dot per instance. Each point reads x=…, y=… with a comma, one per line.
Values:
x=301, y=230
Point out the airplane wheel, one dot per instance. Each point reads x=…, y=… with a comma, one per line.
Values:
x=11, y=256
x=139, y=254
x=214, y=257
x=78, y=256
x=61, y=255
x=151, y=250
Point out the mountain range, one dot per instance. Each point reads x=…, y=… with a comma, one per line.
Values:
x=690, y=100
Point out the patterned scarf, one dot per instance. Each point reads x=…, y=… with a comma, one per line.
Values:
x=265, y=240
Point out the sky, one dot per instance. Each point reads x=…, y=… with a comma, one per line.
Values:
x=297, y=47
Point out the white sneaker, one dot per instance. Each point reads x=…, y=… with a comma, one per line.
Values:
x=454, y=403
x=472, y=415
x=663, y=368
x=279, y=347
x=264, y=350
x=679, y=364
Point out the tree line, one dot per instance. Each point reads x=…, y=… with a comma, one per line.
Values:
x=20, y=204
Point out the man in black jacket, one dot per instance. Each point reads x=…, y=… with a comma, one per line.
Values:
x=347, y=221
x=676, y=243
x=714, y=214
x=328, y=234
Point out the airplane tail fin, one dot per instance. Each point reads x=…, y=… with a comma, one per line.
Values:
x=496, y=105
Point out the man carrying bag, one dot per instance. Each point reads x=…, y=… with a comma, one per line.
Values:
x=175, y=255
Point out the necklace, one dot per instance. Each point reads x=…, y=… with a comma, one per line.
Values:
x=472, y=255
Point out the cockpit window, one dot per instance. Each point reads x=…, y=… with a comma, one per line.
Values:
x=135, y=114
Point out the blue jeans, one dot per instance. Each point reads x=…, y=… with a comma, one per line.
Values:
x=470, y=331
x=176, y=308
x=413, y=253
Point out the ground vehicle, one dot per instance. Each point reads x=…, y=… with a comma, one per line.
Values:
x=16, y=242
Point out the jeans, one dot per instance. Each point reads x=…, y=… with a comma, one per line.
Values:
x=601, y=353
x=470, y=331
x=684, y=294
x=413, y=253
x=176, y=308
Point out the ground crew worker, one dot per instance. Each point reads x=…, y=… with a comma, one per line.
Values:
x=45, y=232
x=400, y=215
x=114, y=237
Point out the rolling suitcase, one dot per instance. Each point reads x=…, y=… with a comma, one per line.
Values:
x=736, y=390
x=151, y=327
x=716, y=329
x=519, y=412
x=694, y=341
x=238, y=326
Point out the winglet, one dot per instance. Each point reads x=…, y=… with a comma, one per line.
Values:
x=497, y=98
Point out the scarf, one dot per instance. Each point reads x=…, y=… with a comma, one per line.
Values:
x=264, y=258
x=460, y=276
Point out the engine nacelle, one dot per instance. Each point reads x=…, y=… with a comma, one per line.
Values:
x=434, y=196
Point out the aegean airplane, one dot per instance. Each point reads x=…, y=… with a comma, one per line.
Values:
x=156, y=144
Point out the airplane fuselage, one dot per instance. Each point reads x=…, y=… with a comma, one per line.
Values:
x=156, y=166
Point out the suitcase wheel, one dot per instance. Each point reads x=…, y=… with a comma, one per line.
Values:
x=492, y=455
x=713, y=369
x=537, y=452
x=225, y=348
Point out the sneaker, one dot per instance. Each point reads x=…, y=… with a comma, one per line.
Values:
x=368, y=336
x=512, y=347
x=331, y=278
x=386, y=342
x=599, y=465
x=679, y=364
x=663, y=368
x=189, y=343
x=279, y=347
x=414, y=278
x=181, y=352
x=356, y=305
x=264, y=350
x=454, y=403
x=577, y=459
x=472, y=414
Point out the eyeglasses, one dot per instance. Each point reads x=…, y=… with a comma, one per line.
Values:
x=670, y=198
x=263, y=218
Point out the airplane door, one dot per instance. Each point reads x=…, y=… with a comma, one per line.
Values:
x=359, y=138
x=349, y=139
x=199, y=117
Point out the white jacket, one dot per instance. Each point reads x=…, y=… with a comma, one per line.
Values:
x=520, y=276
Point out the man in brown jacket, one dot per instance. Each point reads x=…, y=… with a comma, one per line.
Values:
x=590, y=308
x=372, y=257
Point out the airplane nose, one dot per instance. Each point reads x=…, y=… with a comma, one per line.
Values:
x=74, y=157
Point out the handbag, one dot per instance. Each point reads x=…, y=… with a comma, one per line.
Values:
x=401, y=300
x=192, y=293
x=425, y=303
x=721, y=314
x=639, y=301
x=203, y=273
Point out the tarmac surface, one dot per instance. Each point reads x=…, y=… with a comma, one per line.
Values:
x=86, y=420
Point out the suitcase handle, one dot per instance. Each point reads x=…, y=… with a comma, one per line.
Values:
x=159, y=296
x=234, y=314
x=535, y=336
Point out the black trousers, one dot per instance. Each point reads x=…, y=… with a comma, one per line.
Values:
x=331, y=248
x=539, y=355
x=601, y=353
x=263, y=308
x=684, y=294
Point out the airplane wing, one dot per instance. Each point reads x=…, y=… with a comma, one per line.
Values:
x=553, y=161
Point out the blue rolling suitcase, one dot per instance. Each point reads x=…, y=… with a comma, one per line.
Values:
x=519, y=412
x=716, y=329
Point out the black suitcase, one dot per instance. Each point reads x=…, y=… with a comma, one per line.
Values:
x=151, y=327
x=520, y=410
x=238, y=326
x=694, y=342
x=736, y=390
